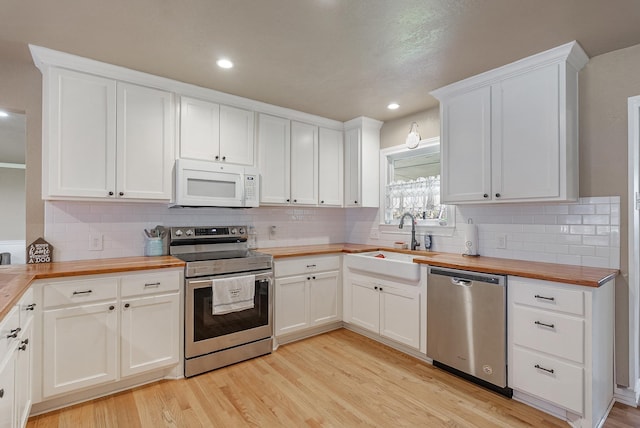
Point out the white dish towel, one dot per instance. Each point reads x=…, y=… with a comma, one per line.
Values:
x=232, y=294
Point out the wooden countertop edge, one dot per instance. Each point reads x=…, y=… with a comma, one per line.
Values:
x=568, y=274
x=19, y=278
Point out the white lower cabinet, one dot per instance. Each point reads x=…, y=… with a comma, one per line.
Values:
x=15, y=363
x=102, y=328
x=308, y=293
x=80, y=347
x=390, y=310
x=560, y=344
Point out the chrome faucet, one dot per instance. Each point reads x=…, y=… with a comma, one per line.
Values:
x=414, y=243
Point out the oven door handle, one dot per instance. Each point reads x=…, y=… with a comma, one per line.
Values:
x=200, y=281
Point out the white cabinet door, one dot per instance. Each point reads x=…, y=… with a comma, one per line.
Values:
x=236, y=135
x=149, y=333
x=400, y=315
x=145, y=148
x=291, y=304
x=352, y=156
x=526, y=137
x=330, y=168
x=325, y=304
x=79, y=126
x=7, y=391
x=199, y=129
x=304, y=163
x=365, y=305
x=23, y=381
x=80, y=347
x=466, y=146
x=274, y=153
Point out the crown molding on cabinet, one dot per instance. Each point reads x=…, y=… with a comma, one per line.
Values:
x=45, y=58
x=363, y=121
x=570, y=52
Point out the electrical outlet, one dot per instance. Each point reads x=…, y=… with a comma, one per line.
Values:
x=95, y=242
x=502, y=240
x=272, y=232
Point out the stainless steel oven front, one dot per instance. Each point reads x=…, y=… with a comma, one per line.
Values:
x=213, y=341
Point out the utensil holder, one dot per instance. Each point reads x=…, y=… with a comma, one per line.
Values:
x=153, y=247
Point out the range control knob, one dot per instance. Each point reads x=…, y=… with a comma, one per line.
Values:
x=178, y=232
x=241, y=231
x=189, y=232
x=233, y=231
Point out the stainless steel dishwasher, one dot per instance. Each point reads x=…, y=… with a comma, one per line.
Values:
x=466, y=325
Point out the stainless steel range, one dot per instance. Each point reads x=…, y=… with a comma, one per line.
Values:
x=228, y=297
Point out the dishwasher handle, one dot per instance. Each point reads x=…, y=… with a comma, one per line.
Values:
x=469, y=276
x=461, y=282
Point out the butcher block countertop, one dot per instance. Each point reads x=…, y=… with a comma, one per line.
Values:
x=577, y=275
x=15, y=279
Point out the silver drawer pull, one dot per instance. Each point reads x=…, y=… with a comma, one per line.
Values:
x=152, y=284
x=551, y=299
x=544, y=324
x=76, y=293
x=539, y=367
x=14, y=333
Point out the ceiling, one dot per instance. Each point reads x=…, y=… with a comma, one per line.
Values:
x=334, y=58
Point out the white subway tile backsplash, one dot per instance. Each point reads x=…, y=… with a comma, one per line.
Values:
x=582, y=209
x=582, y=250
x=584, y=233
x=583, y=230
x=569, y=219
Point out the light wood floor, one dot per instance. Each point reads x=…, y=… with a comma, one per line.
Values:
x=339, y=379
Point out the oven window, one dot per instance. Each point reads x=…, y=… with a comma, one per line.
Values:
x=207, y=326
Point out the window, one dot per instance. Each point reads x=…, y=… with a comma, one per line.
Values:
x=411, y=180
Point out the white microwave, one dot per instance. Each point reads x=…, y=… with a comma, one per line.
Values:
x=211, y=184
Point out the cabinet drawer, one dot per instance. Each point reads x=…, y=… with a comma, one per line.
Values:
x=545, y=295
x=150, y=283
x=548, y=378
x=79, y=292
x=549, y=332
x=299, y=266
x=26, y=308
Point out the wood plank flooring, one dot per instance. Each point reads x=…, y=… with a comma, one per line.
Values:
x=338, y=379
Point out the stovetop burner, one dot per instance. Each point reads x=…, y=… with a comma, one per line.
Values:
x=215, y=250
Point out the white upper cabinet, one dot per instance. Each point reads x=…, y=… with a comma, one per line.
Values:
x=300, y=163
x=79, y=132
x=214, y=132
x=274, y=159
x=362, y=163
x=304, y=163
x=511, y=134
x=330, y=168
x=236, y=135
x=199, y=129
x=105, y=139
x=145, y=142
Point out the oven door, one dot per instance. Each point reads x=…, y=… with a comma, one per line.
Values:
x=206, y=333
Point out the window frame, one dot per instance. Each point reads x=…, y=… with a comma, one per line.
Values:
x=387, y=156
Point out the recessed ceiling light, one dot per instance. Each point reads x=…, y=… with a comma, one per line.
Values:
x=4, y=114
x=224, y=63
x=393, y=106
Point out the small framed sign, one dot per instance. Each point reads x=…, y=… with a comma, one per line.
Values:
x=40, y=251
